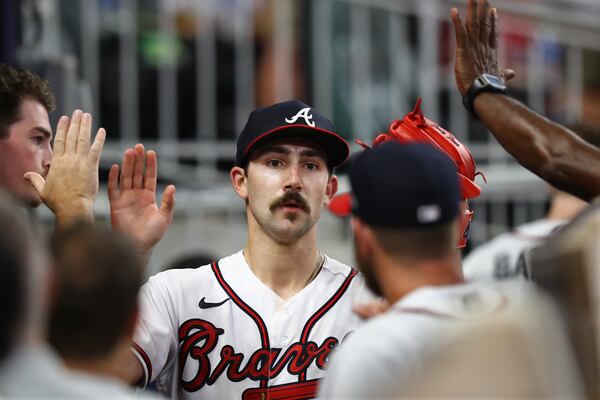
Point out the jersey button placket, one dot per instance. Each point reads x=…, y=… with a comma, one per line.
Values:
x=284, y=337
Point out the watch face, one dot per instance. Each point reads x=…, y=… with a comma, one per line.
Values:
x=493, y=80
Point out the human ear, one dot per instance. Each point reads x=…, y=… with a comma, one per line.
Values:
x=239, y=182
x=332, y=187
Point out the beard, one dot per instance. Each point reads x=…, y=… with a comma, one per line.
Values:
x=365, y=265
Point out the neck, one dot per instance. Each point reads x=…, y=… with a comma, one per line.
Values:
x=286, y=268
x=398, y=278
x=112, y=365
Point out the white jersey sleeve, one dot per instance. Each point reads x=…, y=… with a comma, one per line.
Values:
x=154, y=342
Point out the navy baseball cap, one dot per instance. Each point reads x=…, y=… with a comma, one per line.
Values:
x=398, y=185
x=291, y=118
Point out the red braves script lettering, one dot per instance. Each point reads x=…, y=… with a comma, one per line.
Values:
x=261, y=365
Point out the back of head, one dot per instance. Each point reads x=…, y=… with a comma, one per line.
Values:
x=99, y=276
x=16, y=85
x=15, y=249
x=409, y=195
x=418, y=244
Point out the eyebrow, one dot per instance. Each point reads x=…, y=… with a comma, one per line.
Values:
x=274, y=149
x=286, y=151
x=43, y=130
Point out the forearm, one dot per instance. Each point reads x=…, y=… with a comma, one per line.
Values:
x=547, y=149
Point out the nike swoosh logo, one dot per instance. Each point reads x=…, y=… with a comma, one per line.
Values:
x=205, y=304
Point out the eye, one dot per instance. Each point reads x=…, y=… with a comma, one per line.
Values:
x=38, y=139
x=274, y=163
x=312, y=166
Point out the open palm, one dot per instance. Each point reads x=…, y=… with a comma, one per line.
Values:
x=132, y=196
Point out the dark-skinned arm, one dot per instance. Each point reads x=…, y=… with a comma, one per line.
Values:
x=547, y=149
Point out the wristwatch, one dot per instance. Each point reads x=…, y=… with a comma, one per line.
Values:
x=483, y=83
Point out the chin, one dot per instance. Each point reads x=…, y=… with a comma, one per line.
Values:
x=291, y=232
x=31, y=200
x=34, y=203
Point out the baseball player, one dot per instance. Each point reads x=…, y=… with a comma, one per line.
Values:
x=405, y=228
x=262, y=322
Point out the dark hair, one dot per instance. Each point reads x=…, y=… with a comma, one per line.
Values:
x=14, y=249
x=99, y=276
x=17, y=85
x=425, y=243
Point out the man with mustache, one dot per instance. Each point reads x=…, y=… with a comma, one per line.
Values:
x=261, y=322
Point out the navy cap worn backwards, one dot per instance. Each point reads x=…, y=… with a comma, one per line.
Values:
x=291, y=118
x=402, y=186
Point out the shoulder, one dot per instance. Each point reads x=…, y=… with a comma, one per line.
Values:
x=350, y=278
x=337, y=267
x=376, y=346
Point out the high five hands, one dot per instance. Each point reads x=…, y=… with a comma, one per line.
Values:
x=71, y=185
x=477, y=45
x=132, y=196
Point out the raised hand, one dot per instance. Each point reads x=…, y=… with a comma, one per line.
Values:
x=477, y=45
x=71, y=185
x=132, y=196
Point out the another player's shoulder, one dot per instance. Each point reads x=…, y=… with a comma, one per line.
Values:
x=518, y=293
x=538, y=230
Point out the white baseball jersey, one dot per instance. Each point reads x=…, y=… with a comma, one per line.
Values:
x=389, y=351
x=503, y=256
x=218, y=332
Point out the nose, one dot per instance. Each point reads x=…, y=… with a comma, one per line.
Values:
x=293, y=182
x=47, y=158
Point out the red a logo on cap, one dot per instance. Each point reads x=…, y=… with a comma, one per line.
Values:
x=304, y=113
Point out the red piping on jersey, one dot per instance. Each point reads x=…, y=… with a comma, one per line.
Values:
x=288, y=391
x=137, y=348
x=262, y=327
x=322, y=311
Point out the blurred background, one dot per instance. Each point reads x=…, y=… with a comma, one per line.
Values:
x=181, y=76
